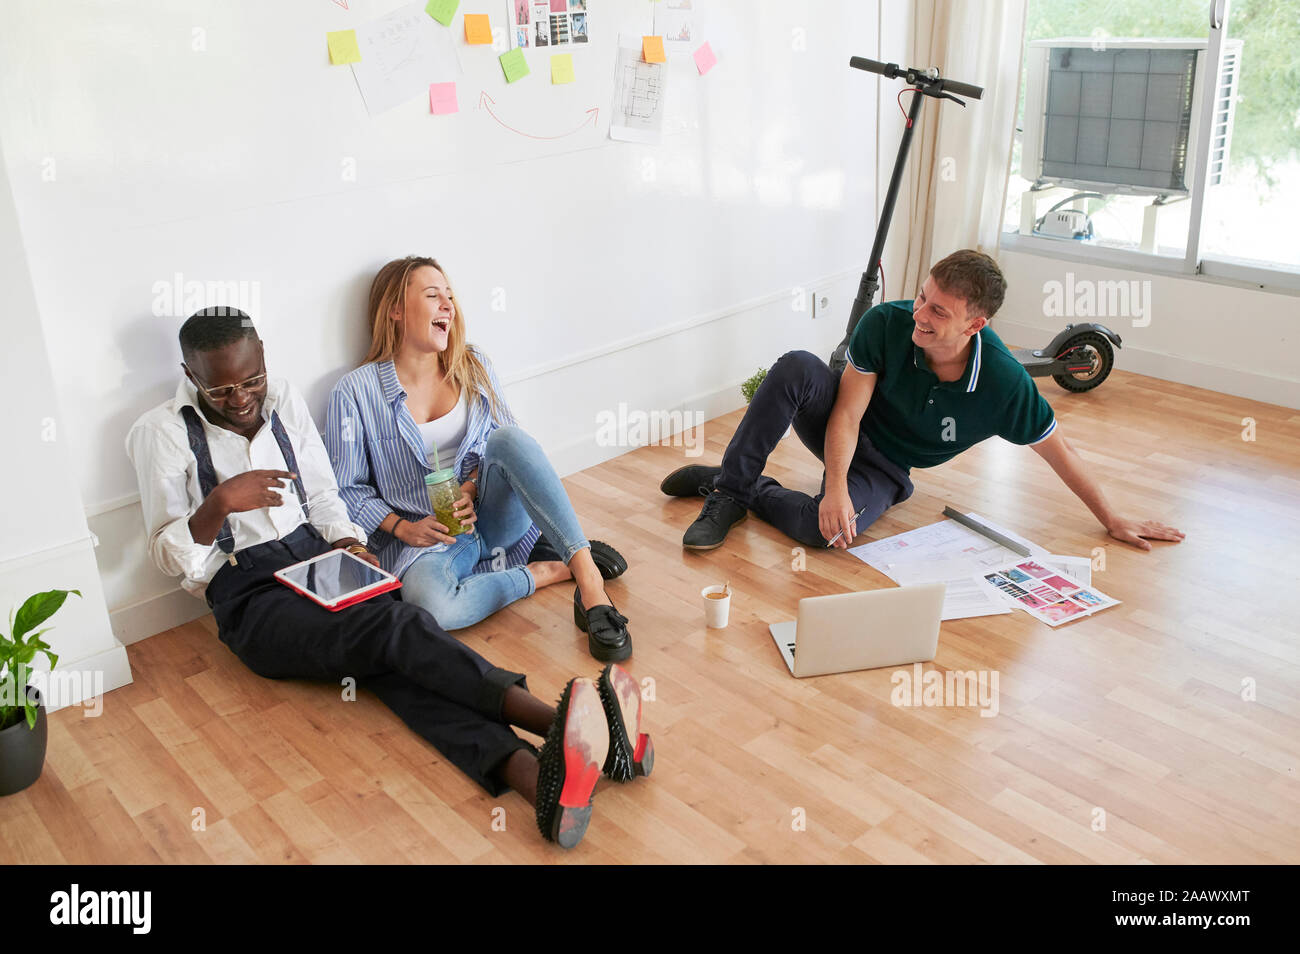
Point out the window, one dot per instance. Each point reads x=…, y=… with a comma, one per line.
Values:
x=1111, y=130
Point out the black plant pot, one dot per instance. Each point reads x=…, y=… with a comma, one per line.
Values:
x=22, y=750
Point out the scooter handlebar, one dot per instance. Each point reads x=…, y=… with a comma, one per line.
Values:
x=932, y=87
x=873, y=66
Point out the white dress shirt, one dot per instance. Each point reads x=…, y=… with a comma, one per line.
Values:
x=168, y=474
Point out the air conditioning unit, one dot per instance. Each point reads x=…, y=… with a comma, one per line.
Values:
x=1120, y=116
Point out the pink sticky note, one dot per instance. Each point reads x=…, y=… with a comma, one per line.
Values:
x=557, y=6
x=442, y=98
x=704, y=58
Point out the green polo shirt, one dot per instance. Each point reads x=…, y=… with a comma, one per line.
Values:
x=915, y=419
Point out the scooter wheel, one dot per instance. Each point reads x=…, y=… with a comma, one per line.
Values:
x=1093, y=357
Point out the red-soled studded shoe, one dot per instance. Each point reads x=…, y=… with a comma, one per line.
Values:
x=631, y=753
x=570, y=763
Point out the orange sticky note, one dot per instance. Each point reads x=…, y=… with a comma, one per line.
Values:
x=343, y=47
x=478, y=28
x=652, y=49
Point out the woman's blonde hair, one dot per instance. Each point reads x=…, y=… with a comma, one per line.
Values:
x=459, y=363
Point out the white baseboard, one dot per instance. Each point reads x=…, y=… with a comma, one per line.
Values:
x=155, y=614
x=1238, y=382
x=88, y=678
x=577, y=454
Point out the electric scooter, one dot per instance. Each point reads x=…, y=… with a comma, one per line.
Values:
x=1078, y=359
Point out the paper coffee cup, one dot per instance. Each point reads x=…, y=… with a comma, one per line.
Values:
x=716, y=611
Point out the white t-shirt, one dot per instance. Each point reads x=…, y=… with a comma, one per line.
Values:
x=448, y=431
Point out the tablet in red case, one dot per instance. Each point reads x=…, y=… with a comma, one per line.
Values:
x=337, y=579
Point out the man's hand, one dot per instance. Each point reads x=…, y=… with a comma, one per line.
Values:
x=353, y=541
x=836, y=514
x=1133, y=532
x=423, y=533
x=1061, y=457
x=252, y=490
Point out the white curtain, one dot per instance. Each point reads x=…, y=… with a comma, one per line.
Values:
x=960, y=156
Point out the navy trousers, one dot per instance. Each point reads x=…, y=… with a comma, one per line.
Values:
x=800, y=390
x=442, y=689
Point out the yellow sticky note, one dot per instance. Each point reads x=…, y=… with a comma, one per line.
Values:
x=478, y=29
x=343, y=47
x=442, y=10
x=562, y=68
x=514, y=65
x=652, y=49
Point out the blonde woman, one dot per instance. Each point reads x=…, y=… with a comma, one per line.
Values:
x=422, y=384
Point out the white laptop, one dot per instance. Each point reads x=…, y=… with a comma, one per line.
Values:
x=868, y=630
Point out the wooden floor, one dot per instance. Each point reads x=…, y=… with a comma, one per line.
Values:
x=1134, y=717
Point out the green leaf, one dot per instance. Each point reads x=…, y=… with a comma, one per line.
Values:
x=38, y=608
x=31, y=714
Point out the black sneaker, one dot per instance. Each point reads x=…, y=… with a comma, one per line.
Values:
x=694, y=480
x=718, y=515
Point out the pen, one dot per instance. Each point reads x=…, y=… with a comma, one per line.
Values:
x=841, y=533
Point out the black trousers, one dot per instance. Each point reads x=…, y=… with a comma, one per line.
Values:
x=446, y=692
x=800, y=390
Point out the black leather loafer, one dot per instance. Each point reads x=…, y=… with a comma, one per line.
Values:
x=607, y=637
x=608, y=561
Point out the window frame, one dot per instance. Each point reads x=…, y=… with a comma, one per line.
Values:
x=1267, y=276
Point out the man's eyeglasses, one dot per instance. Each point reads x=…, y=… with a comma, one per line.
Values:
x=223, y=393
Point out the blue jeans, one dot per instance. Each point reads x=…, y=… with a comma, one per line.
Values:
x=517, y=488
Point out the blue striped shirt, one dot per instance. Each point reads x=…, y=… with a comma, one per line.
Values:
x=379, y=460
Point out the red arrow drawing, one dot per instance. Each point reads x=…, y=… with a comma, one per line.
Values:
x=487, y=102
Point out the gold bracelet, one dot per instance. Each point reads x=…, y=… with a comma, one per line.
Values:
x=359, y=549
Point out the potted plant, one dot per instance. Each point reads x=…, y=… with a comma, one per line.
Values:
x=23, y=729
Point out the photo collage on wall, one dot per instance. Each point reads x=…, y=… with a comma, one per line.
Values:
x=1045, y=594
x=547, y=23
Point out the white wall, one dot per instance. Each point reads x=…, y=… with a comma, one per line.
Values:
x=1226, y=338
x=46, y=543
x=660, y=276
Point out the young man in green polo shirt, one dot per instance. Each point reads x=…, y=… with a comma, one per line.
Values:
x=926, y=379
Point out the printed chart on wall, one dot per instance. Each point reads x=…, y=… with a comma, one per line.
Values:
x=401, y=54
x=548, y=23
x=675, y=22
x=638, y=106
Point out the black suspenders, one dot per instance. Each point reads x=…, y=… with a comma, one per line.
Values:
x=208, y=474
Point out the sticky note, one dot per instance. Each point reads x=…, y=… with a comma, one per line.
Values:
x=558, y=6
x=478, y=29
x=704, y=59
x=652, y=49
x=442, y=10
x=514, y=65
x=562, y=68
x=442, y=99
x=343, y=47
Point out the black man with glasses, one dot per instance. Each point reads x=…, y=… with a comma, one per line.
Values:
x=235, y=483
